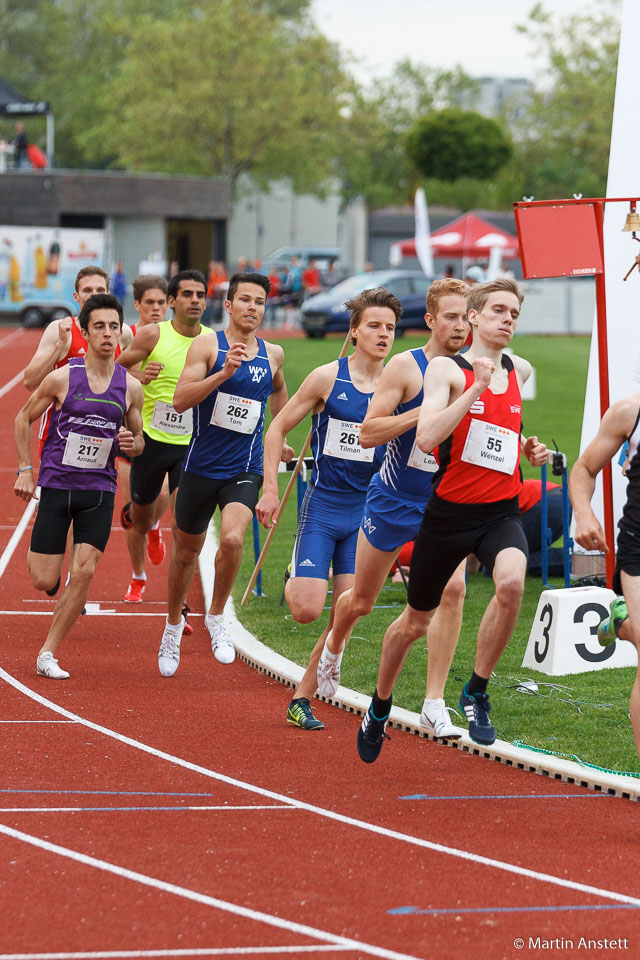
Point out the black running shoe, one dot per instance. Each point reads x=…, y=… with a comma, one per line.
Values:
x=371, y=736
x=476, y=707
x=300, y=715
x=125, y=517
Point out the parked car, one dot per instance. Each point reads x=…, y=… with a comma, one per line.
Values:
x=326, y=311
x=322, y=255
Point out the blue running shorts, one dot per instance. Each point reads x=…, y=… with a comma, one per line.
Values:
x=389, y=520
x=327, y=534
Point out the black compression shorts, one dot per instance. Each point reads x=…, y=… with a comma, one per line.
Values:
x=627, y=556
x=449, y=532
x=198, y=498
x=91, y=512
x=148, y=471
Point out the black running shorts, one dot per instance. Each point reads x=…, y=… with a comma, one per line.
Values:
x=627, y=556
x=449, y=532
x=148, y=471
x=198, y=497
x=90, y=511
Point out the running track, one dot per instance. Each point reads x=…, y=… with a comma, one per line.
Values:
x=148, y=817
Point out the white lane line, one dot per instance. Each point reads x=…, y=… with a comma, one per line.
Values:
x=247, y=806
x=38, y=721
x=11, y=383
x=322, y=811
x=13, y=335
x=89, y=613
x=16, y=536
x=290, y=925
x=195, y=952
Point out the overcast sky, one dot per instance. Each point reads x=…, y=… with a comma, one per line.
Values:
x=478, y=34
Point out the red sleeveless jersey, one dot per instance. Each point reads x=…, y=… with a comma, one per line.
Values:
x=480, y=461
x=77, y=348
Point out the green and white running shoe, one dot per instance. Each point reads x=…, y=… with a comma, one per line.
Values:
x=300, y=715
x=609, y=629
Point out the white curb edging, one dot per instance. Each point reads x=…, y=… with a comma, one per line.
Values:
x=274, y=665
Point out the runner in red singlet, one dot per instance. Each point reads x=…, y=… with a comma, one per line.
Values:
x=471, y=418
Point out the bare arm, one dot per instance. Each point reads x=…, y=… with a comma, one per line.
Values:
x=137, y=352
x=380, y=425
x=615, y=427
x=130, y=439
x=310, y=396
x=438, y=416
x=194, y=385
x=54, y=345
x=53, y=388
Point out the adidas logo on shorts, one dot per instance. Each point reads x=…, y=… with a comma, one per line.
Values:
x=307, y=563
x=342, y=396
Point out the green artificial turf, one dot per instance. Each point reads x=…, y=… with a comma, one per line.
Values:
x=590, y=718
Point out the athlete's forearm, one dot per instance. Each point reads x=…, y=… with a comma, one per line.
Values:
x=581, y=487
x=433, y=428
x=38, y=368
x=377, y=430
x=273, y=444
x=22, y=435
x=190, y=394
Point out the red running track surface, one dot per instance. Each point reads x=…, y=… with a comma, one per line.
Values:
x=141, y=816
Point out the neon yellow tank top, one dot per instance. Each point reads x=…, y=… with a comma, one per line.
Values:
x=159, y=419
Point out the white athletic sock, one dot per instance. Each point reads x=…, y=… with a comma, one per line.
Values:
x=175, y=628
x=214, y=618
x=332, y=657
x=138, y=576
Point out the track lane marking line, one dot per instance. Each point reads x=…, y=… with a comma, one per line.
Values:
x=321, y=811
x=248, y=806
x=11, y=383
x=194, y=952
x=226, y=906
x=16, y=536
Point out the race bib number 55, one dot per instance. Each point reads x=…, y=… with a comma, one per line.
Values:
x=488, y=445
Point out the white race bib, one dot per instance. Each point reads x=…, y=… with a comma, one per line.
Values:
x=236, y=413
x=166, y=418
x=87, y=453
x=343, y=440
x=422, y=461
x=491, y=446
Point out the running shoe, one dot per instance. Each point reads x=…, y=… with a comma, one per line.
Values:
x=188, y=629
x=47, y=666
x=125, y=517
x=135, y=591
x=435, y=718
x=371, y=736
x=169, y=652
x=299, y=713
x=329, y=670
x=476, y=708
x=609, y=629
x=156, y=549
x=221, y=644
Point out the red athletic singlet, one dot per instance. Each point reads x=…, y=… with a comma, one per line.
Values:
x=77, y=348
x=480, y=460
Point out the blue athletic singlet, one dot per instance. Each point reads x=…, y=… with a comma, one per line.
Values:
x=80, y=449
x=228, y=424
x=339, y=462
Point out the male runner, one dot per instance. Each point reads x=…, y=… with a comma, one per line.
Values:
x=150, y=300
x=161, y=349
x=96, y=408
x=396, y=500
x=338, y=394
x=621, y=422
x=227, y=380
x=471, y=417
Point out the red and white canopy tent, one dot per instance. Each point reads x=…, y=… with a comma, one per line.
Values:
x=468, y=237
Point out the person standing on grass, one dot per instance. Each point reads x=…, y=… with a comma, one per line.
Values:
x=338, y=395
x=621, y=422
x=396, y=500
x=471, y=418
x=160, y=349
x=227, y=380
x=150, y=300
x=96, y=409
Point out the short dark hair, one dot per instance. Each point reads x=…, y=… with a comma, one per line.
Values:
x=258, y=278
x=91, y=272
x=99, y=301
x=174, y=283
x=373, y=297
x=148, y=281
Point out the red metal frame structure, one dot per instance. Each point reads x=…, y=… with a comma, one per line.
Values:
x=565, y=238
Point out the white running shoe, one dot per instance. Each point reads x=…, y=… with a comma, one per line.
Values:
x=47, y=666
x=435, y=718
x=169, y=652
x=329, y=670
x=221, y=643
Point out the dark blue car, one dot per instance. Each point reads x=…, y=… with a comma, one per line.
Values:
x=326, y=312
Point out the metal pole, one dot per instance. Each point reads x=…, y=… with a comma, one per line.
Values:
x=544, y=530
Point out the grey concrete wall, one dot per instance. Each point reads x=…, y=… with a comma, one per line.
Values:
x=134, y=239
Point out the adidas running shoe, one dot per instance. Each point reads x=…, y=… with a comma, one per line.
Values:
x=476, y=709
x=609, y=629
x=299, y=714
x=371, y=736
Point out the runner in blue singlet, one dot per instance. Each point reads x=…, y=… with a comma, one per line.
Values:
x=338, y=394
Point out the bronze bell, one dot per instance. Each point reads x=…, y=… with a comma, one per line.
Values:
x=632, y=223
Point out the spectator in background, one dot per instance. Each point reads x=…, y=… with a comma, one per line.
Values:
x=330, y=276
x=311, y=279
x=119, y=283
x=174, y=268
x=217, y=280
x=20, y=144
x=449, y=272
x=475, y=274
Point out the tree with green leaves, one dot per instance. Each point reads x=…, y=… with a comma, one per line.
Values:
x=453, y=143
